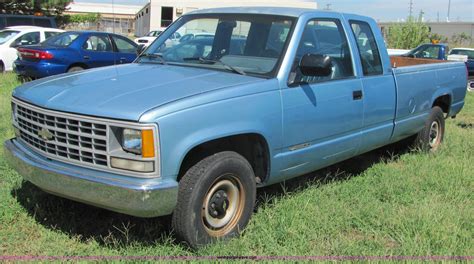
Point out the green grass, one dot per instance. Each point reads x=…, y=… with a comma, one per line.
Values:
x=387, y=202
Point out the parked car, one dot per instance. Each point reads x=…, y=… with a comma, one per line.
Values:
x=26, y=20
x=13, y=37
x=150, y=37
x=429, y=51
x=194, y=135
x=192, y=36
x=442, y=52
x=469, y=53
x=74, y=51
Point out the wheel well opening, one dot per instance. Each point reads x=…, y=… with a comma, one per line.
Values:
x=443, y=102
x=252, y=147
x=82, y=65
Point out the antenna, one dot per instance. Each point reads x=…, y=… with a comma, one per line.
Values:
x=449, y=10
x=113, y=14
x=411, y=9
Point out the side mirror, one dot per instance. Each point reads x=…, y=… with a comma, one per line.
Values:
x=316, y=65
x=140, y=49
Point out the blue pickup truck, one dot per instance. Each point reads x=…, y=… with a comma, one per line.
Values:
x=194, y=129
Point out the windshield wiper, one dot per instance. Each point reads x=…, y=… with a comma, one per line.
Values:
x=153, y=56
x=226, y=66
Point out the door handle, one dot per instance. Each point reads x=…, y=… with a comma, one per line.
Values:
x=357, y=95
x=86, y=57
x=122, y=60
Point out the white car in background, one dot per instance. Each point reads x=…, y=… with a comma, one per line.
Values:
x=150, y=37
x=13, y=37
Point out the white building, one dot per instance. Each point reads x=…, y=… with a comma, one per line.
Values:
x=160, y=13
x=113, y=18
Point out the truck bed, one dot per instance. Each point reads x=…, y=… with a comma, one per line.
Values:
x=419, y=82
x=398, y=61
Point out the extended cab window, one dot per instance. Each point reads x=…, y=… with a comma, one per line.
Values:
x=368, y=50
x=324, y=37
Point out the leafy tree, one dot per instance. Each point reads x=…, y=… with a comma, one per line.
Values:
x=409, y=34
x=79, y=19
x=30, y=7
x=33, y=7
x=461, y=39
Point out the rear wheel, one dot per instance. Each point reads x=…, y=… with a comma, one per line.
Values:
x=75, y=69
x=216, y=199
x=470, y=85
x=2, y=67
x=430, y=138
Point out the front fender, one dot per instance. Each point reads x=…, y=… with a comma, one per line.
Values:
x=181, y=131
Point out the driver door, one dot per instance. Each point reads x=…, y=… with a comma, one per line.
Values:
x=322, y=116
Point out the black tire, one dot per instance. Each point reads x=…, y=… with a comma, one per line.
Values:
x=431, y=137
x=2, y=67
x=75, y=69
x=208, y=208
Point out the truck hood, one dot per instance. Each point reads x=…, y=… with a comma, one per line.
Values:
x=125, y=92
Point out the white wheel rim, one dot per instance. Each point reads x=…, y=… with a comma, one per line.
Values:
x=232, y=207
x=435, y=135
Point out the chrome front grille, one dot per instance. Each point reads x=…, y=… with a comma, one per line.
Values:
x=69, y=138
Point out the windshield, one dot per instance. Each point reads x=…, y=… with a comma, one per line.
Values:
x=6, y=35
x=468, y=53
x=245, y=44
x=62, y=40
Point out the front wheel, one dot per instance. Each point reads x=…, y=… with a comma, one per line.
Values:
x=430, y=138
x=2, y=67
x=215, y=200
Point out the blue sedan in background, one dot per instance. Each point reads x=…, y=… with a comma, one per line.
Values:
x=74, y=51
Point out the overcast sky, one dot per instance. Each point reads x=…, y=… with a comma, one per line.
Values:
x=383, y=10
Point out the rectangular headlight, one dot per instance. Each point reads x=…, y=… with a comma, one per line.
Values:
x=140, y=142
x=132, y=141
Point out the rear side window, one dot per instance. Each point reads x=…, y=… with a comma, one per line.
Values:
x=48, y=34
x=28, y=39
x=63, y=40
x=368, y=50
x=124, y=45
x=98, y=43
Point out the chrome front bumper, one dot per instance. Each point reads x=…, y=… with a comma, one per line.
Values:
x=128, y=195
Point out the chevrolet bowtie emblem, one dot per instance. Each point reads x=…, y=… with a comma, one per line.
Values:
x=45, y=134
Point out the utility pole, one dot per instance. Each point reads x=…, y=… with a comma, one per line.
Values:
x=449, y=10
x=411, y=10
